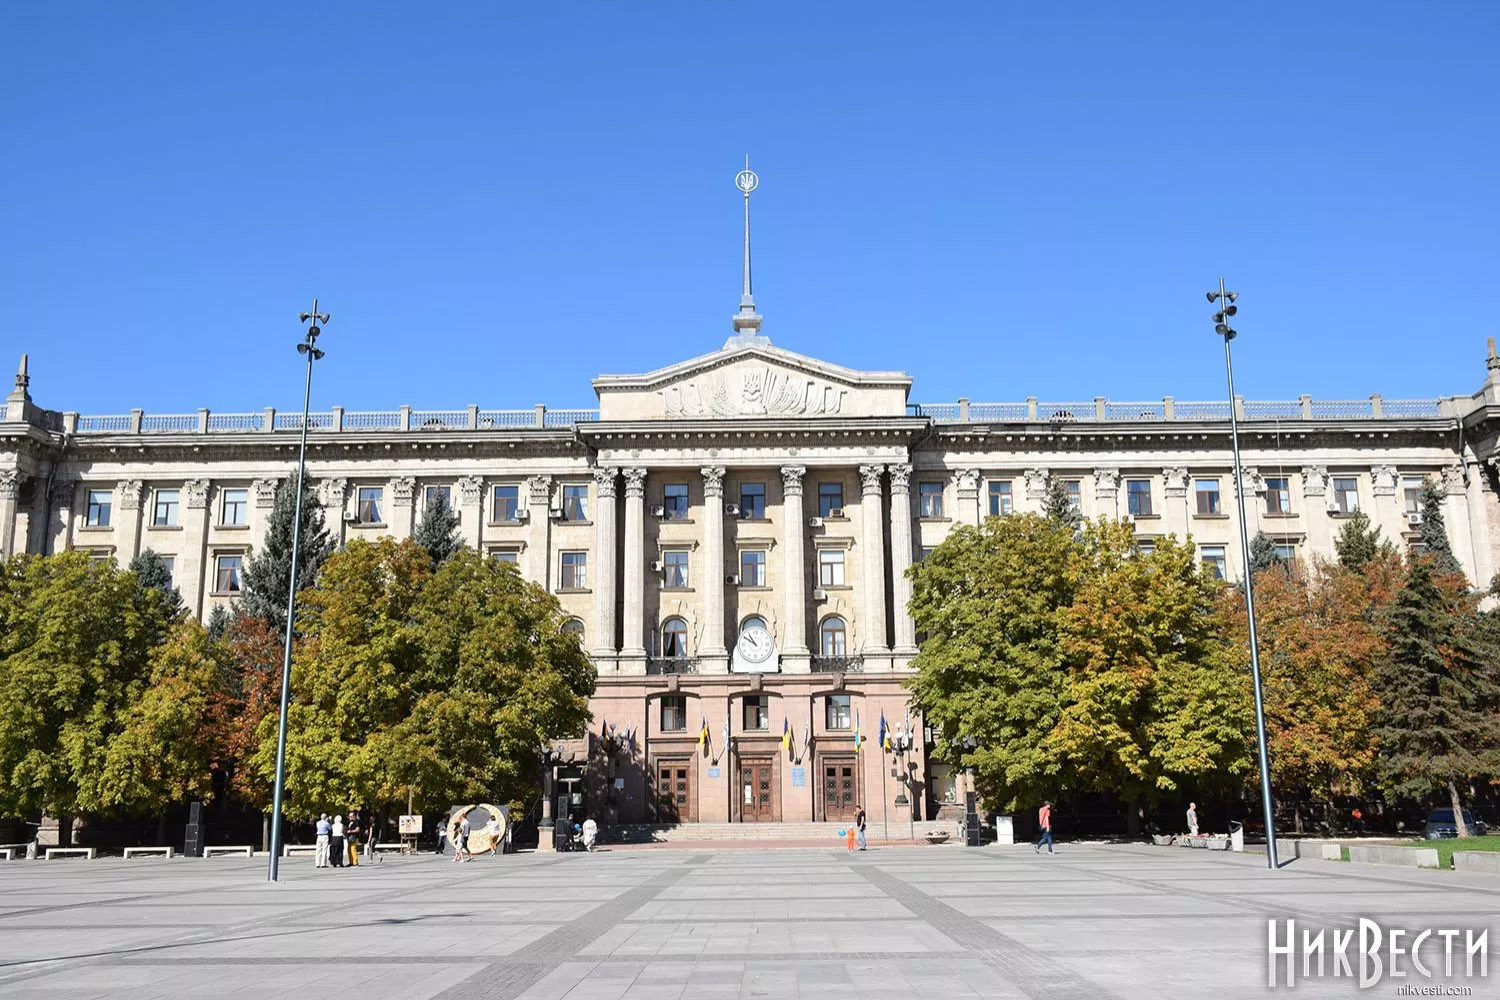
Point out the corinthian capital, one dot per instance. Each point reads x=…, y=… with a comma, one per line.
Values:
x=791, y=480
x=869, y=479
x=605, y=481
x=635, y=484
x=900, y=477
x=713, y=481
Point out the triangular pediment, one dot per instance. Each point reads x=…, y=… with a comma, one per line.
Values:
x=751, y=381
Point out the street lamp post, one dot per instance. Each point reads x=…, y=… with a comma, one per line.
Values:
x=309, y=348
x=1227, y=309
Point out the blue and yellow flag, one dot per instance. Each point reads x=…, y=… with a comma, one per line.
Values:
x=786, y=735
x=858, y=739
x=885, y=732
x=703, y=732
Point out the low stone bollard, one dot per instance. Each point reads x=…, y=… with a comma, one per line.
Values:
x=1406, y=857
x=1477, y=861
x=1324, y=849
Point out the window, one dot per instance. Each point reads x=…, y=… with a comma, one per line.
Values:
x=831, y=567
x=673, y=713
x=929, y=499
x=575, y=503
x=674, y=637
x=831, y=636
x=1212, y=557
x=754, y=621
x=1278, y=496
x=753, y=500
x=575, y=570
x=168, y=563
x=1411, y=492
x=1207, y=492
x=227, y=575
x=100, y=502
x=446, y=492
x=511, y=556
x=1145, y=546
x=837, y=714
x=235, y=510
x=1346, y=494
x=1286, y=552
x=948, y=787
x=675, y=502
x=370, y=498
x=923, y=553
x=752, y=568
x=164, y=509
x=1001, y=501
x=757, y=712
x=506, y=500
x=100, y=555
x=830, y=499
x=675, y=569
x=1074, y=489
x=1138, y=497
x=574, y=626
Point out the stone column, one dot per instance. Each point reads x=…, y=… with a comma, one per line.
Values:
x=333, y=494
x=1387, y=513
x=713, y=566
x=901, y=559
x=403, y=512
x=1477, y=496
x=539, y=530
x=200, y=577
x=1037, y=481
x=967, y=481
x=10, y=489
x=605, y=517
x=1107, y=493
x=794, y=642
x=468, y=498
x=1456, y=520
x=872, y=565
x=633, y=643
x=1317, y=518
x=1176, y=516
x=64, y=498
x=545, y=827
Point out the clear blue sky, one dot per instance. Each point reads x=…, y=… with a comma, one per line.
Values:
x=498, y=201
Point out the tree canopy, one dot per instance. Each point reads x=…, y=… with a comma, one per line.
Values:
x=437, y=532
x=268, y=571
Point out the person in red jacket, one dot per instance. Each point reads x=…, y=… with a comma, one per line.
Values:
x=1044, y=819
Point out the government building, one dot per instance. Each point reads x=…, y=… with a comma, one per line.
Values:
x=731, y=535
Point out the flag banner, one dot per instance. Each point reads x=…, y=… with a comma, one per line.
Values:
x=885, y=733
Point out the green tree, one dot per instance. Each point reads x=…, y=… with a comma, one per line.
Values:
x=1358, y=543
x=268, y=571
x=438, y=530
x=151, y=570
x=1058, y=506
x=1433, y=531
x=76, y=643
x=1263, y=553
x=1437, y=725
x=218, y=621
x=990, y=669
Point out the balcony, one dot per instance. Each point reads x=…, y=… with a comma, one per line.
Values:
x=838, y=664
x=672, y=665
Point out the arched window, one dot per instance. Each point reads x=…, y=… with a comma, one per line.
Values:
x=831, y=636
x=574, y=626
x=754, y=621
x=674, y=637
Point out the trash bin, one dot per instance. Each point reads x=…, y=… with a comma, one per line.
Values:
x=1005, y=829
x=1237, y=836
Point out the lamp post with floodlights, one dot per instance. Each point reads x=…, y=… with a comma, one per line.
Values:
x=1227, y=308
x=309, y=348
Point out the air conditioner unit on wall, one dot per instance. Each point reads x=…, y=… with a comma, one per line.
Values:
x=1413, y=517
x=815, y=522
x=523, y=515
x=819, y=594
x=350, y=516
x=732, y=579
x=657, y=566
x=1333, y=506
x=732, y=509
x=658, y=511
x=555, y=513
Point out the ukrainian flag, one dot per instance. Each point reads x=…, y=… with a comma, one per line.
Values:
x=786, y=735
x=703, y=733
x=858, y=739
x=885, y=732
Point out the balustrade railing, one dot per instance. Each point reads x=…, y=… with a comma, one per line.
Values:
x=1170, y=410
x=405, y=419
x=672, y=665
x=837, y=664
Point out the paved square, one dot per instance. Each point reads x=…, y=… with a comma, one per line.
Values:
x=898, y=923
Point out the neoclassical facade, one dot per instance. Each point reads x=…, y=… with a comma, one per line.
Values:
x=731, y=534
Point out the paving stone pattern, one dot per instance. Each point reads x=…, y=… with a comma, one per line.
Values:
x=1110, y=922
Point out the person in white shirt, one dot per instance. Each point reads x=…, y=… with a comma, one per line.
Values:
x=336, y=842
x=590, y=833
x=325, y=829
x=492, y=830
x=1192, y=819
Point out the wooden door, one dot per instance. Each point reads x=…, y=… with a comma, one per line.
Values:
x=840, y=788
x=675, y=798
x=757, y=792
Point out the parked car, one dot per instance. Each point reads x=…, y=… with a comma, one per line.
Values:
x=1440, y=825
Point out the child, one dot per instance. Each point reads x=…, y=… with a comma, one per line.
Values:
x=850, y=838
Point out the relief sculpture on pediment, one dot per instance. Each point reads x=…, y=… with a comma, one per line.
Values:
x=764, y=393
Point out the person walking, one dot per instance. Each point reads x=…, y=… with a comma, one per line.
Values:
x=320, y=855
x=461, y=842
x=1044, y=819
x=336, y=842
x=1192, y=819
x=351, y=837
x=492, y=829
x=859, y=826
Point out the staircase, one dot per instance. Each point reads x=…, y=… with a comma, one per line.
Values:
x=647, y=833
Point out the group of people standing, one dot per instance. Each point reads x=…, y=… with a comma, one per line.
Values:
x=338, y=841
x=493, y=836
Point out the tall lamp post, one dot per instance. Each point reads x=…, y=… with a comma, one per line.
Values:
x=309, y=348
x=1227, y=309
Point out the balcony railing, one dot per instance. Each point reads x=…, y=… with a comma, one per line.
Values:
x=838, y=664
x=1101, y=410
x=337, y=420
x=672, y=665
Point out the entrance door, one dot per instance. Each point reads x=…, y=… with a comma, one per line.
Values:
x=757, y=798
x=839, y=789
x=675, y=801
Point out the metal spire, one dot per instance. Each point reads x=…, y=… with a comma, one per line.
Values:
x=747, y=320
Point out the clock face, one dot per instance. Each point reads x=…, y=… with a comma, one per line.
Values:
x=756, y=644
